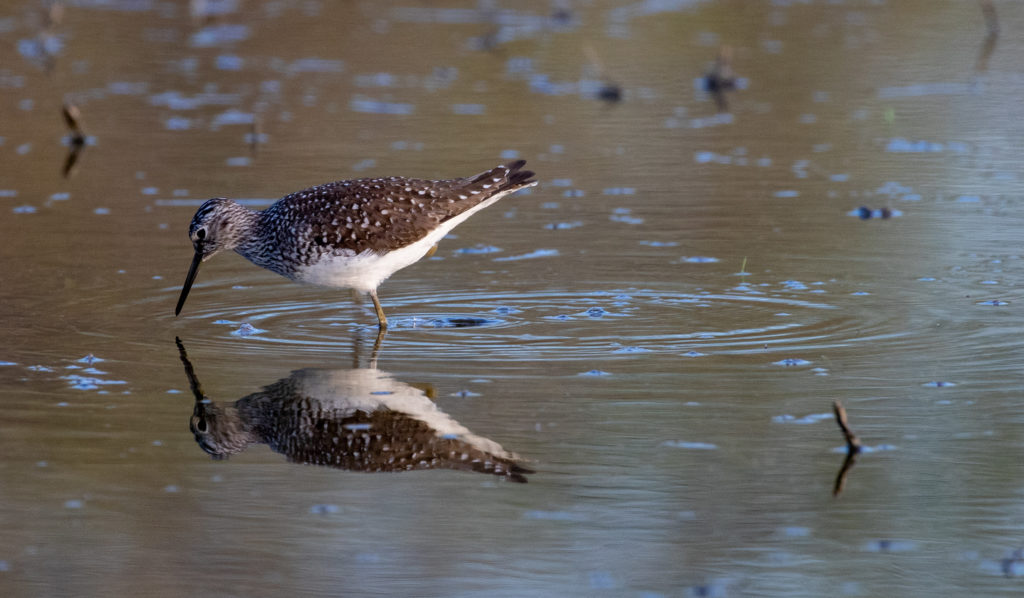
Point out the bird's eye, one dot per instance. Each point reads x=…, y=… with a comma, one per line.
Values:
x=201, y=234
x=201, y=425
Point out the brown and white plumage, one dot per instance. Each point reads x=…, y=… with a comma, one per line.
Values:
x=352, y=419
x=348, y=234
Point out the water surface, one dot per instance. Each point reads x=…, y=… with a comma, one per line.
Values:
x=657, y=331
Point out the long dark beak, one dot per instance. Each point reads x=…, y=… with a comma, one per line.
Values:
x=192, y=271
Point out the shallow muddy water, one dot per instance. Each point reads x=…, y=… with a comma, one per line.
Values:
x=652, y=338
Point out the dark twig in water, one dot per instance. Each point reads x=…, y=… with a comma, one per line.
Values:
x=848, y=463
x=991, y=18
x=989, y=46
x=610, y=91
x=720, y=78
x=76, y=136
x=54, y=14
x=853, y=448
x=73, y=120
x=71, y=160
x=852, y=442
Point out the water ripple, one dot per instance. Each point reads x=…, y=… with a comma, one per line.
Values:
x=549, y=325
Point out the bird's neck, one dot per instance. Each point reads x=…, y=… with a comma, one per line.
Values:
x=259, y=244
x=247, y=229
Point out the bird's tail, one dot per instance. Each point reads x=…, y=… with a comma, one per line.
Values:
x=507, y=177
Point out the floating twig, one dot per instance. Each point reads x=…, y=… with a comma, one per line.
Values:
x=720, y=78
x=610, y=91
x=992, y=25
x=54, y=14
x=76, y=137
x=988, y=9
x=73, y=120
x=852, y=442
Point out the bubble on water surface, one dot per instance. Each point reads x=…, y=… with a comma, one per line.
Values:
x=247, y=329
x=792, y=362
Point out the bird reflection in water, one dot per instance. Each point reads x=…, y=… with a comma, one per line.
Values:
x=357, y=419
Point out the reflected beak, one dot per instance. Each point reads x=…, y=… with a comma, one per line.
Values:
x=189, y=279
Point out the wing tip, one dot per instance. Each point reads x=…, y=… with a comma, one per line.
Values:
x=518, y=177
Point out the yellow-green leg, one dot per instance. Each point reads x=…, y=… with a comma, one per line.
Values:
x=382, y=321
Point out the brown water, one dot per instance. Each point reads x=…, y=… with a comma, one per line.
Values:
x=663, y=323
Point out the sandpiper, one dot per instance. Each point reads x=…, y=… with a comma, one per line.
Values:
x=359, y=419
x=348, y=234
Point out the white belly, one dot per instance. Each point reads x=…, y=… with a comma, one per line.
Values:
x=364, y=272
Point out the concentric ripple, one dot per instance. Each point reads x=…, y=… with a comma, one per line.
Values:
x=549, y=325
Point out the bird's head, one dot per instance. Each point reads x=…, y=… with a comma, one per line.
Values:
x=218, y=225
x=215, y=227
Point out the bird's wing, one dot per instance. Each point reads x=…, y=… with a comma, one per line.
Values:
x=386, y=213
